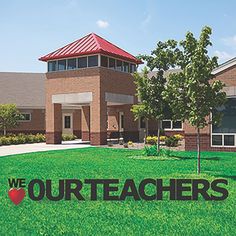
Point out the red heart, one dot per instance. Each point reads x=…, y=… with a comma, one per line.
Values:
x=16, y=195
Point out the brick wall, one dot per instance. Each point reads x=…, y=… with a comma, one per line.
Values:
x=227, y=76
x=205, y=142
x=36, y=125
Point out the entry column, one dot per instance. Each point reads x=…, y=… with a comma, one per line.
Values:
x=53, y=123
x=85, y=123
x=98, y=122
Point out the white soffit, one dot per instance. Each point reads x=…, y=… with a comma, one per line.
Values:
x=224, y=66
x=119, y=98
x=70, y=98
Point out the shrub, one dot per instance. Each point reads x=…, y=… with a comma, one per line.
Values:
x=130, y=143
x=21, y=139
x=150, y=150
x=40, y=138
x=68, y=137
x=165, y=152
x=171, y=142
x=5, y=140
x=13, y=140
x=163, y=138
x=151, y=140
x=30, y=138
x=179, y=137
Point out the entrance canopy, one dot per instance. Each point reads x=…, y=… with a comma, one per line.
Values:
x=87, y=98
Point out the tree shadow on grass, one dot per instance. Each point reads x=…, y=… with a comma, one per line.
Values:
x=233, y=177
x=195, y=157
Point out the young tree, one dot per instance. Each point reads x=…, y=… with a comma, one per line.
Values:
x=150, y=90
x=192, y=93
x=142, y=108
x=9, y=115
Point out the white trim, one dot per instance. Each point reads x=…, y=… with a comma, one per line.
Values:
x=224, y=66
x=223, y=141
x=32, y=108
x=139, y=123
x=121, y=114
x=171, y=123
x=99, y=60
x=223, y=134
x=67, y=130
x=73, y=98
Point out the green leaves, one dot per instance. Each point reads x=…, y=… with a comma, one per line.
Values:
x=193, y=93
x=9, y=115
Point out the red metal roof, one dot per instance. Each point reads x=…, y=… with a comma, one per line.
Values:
x=90, y=44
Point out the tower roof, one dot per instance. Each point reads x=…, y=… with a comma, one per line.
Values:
x=90, y=44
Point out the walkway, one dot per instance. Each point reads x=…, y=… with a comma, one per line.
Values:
x=41, y=147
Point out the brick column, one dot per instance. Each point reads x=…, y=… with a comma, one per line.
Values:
x=85, y=123
x=77, y=123
x=53, y=123
x=98, y=119
x=131, y=128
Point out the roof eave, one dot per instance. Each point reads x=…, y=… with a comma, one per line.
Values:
x=47, y=58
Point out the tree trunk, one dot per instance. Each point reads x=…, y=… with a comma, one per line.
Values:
x=158, y=136
x=4, y=131
x=198, y=152
x=147, y=128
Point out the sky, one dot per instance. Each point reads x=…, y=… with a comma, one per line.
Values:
x=30, y=29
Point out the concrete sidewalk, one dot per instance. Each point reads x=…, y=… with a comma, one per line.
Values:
x=41, y=147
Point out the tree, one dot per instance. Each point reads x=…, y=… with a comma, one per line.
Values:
x=142, y=109
x=192, y=93
x=150, y=90
x=9, y=115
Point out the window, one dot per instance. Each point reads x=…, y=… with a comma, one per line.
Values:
x=166, y=124
x=82, y=62
x=126, y=67
x=225, y=133
x=228, y=124
x=112, y=63
x=119, y=65
x=25, y=117
x=67, y=122
x=122, y=121
x=71, y=64
x=104, y=61
x=229, y=140
x=92, y=61
x=217, y=140
x=132, y=68
x=172, y=125
x=62, y=65
x=142, y=124
x=176, y=124
x=52, y=66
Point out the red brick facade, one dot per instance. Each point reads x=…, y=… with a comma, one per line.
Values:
x=93, y=117
x=227, y=76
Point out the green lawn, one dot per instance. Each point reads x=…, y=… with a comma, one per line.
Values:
x=116, y=218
